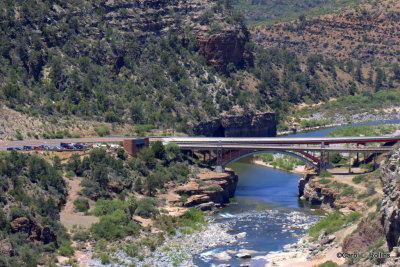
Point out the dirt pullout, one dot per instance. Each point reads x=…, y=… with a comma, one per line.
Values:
x=68, y=217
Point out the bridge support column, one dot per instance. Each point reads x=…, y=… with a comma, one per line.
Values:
x=349, y=162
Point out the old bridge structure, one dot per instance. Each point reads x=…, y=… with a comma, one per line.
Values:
x=314, y=151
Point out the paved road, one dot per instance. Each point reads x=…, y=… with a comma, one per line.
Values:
x=207, y=141
x=54, y=142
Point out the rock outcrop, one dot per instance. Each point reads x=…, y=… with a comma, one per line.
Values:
x=315, y=193
x=210, y=190
x=224, y=47
x=35, y=231
x=249, y=125
x=368, y=233
x=390, y=205
x=318, y=194
x=6, y=248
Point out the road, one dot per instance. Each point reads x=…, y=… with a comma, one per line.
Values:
x=212, y=142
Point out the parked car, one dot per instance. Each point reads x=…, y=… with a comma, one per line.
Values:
x=37, y=148
x=44, y=147
x=28, y=148
x=11, y=148
x=58, y=148
x=67, y=146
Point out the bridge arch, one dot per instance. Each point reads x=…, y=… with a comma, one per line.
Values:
x=271, y=151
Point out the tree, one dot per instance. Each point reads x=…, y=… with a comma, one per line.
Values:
x=132, y=204
x=138, y=185
x=146, y=207
x=396, y=71
x=110, y=116
x=121, y=154
x=358, y=74
x=380, y=77
x=57, y=163
x=353, y=88
x=158, y=149
x=147, y=155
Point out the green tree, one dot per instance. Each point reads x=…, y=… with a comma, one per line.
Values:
x=138, y=185
x=158, y=149
x=147, y=155
x=380, y=77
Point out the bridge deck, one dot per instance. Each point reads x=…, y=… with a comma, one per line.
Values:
x=283, y=148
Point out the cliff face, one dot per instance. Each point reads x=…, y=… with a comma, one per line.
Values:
x=250, y=125
x=210, y=190
x=390, y=205
x=317, y=194
x=224, y=47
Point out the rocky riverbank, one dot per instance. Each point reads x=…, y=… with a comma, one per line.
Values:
x=209, y=190
x=341, y=120
x=176, y=250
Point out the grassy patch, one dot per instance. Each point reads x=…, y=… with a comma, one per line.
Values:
x=359, y=178
x=328, y=264
x=352, y=217
x=325, y=173
x=324, y=181
x=329, y=224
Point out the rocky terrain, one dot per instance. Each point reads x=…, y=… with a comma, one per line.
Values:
x=209, y=190
x=364, y=34
x=247, y=125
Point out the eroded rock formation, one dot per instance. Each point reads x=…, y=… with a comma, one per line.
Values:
x=210, y=190
x=367, y=234
x=248, y=125
x=35, y=231
x=390, y=175
x=224, y=47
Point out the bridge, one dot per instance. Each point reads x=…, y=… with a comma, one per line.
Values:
x=314, y=151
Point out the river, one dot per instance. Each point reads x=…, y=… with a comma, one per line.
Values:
x=266, y=207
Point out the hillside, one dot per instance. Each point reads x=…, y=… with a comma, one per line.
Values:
x=73, y=69
x=368, y=33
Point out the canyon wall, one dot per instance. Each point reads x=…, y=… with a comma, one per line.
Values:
x=390, y=205
x=249, y=125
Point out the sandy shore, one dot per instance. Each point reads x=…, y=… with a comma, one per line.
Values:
x=299, y=169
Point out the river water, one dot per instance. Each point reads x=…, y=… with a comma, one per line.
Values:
x=266, y=207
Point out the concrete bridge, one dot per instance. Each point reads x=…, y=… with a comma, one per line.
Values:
x=314, y=151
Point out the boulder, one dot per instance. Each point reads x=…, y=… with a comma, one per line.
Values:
x=6, y=248
x=243, y=255
x=223, y=256
x=21, y=224
x=241, y=235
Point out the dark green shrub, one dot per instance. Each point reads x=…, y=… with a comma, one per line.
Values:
x=81, y=205
x=81, y=236
x=328, y=264
x=146, y=208
x=66, y=251
x=102, y=130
